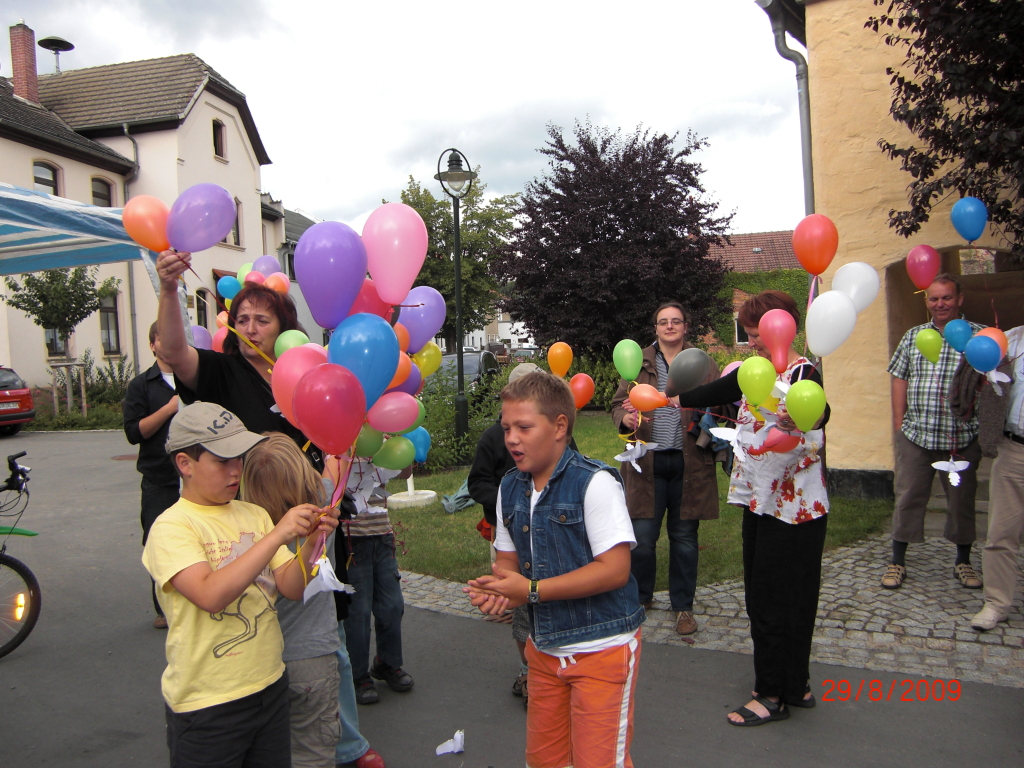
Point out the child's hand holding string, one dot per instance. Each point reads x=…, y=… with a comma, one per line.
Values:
x=300, y=521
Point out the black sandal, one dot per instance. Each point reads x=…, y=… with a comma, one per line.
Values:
x=777, y=710
x=803, y=702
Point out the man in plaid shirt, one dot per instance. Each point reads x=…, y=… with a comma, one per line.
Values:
x=926, y=432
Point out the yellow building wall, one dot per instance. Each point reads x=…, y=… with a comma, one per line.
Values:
x=856, y=185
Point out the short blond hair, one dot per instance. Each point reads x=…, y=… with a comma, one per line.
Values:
x=277, y=476
x=549, y=393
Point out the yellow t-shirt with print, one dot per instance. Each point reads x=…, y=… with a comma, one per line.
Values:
x=221, y=657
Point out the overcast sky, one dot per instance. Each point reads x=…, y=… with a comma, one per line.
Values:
x=352, y=98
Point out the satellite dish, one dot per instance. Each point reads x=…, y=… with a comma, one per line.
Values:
x=57, y=45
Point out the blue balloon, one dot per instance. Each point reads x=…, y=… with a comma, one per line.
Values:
x=228, y=287
x=367, y=346
x=420, y=439
x=957, y=334
x=969, y=217
x=983, y=353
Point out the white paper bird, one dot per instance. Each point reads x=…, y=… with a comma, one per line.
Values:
x=363, y=478
x=634, y=451
x=780, y=390
x=995, y=378
x=954, y=468
x=326, y=580
x=736, y=438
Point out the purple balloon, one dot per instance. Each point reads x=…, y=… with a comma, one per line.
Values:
x=330, y=266
x=200, y=218
x=201, y=338
x=266, y=265
x=412, y=384
x=423, y=313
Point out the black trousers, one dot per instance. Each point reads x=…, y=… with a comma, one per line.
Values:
x=782, y=576
x=251, y=732
x=155, y=499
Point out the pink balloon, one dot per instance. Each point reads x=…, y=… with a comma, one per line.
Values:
x=368, y=301
x=776, y=441
x=329, y=406
x=255, y=277
x=923, y=263
x=393, y=412
x=218, y=338
x=778, y=329
x=731, y=367
x=289, y=368
x=396, y=245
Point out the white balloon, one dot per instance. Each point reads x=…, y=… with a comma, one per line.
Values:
x=859, y=281
x=830, y=322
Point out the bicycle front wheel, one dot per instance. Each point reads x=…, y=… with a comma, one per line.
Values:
x=19, y=603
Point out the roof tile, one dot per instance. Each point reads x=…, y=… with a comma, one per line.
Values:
x=760, y=252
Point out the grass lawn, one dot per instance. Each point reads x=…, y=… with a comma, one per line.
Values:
x=449, y=546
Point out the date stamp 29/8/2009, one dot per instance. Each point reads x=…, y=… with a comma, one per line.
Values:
x=897, y=690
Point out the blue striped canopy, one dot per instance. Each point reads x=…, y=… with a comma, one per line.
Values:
x=40, y=231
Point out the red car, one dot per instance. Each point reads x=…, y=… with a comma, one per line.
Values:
x=16, y=406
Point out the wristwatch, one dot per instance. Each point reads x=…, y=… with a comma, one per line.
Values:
x=534, y=596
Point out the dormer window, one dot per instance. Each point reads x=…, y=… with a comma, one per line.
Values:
x=219, y=140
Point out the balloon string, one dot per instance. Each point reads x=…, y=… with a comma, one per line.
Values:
x=258, y=350
x=343, y=482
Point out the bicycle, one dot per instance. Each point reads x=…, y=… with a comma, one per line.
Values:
x=19, y=590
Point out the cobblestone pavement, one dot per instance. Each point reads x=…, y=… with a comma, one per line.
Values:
x=923, y=628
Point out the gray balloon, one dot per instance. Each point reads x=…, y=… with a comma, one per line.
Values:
x=688, y=370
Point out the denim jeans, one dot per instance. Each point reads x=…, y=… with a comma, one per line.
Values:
x=374, y=574
x=682, y=536
x=352, y=745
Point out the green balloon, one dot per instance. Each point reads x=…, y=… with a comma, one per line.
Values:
x=419, y=419
x=628, y=358
x=289, y=339
x=397, y=453
x=929, y=344
x=369, y=441
x=245, y=270
x=757, y=379
x=805, y=403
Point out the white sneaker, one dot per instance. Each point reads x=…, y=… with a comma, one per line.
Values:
x=987, y=618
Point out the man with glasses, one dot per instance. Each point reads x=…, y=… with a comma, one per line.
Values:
x=677, y=476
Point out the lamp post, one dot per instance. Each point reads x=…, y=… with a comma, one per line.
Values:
x=456, y=183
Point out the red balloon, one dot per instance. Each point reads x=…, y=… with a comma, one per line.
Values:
x=289, y=368
x=218, y=338
x=329, y=406
x=815, y=241
x=777, y=329
x=369, y=301
x=776, y=441
x=255, y=277
x=923, y=263
x=582, y=387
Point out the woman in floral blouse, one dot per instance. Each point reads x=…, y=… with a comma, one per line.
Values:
x=785, y=506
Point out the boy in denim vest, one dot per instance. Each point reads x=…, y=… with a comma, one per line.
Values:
x=563, y=539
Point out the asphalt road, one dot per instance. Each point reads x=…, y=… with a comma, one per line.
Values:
x=83, y=690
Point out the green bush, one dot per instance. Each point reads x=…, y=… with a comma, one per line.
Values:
x=105, y=384
x=438, y=399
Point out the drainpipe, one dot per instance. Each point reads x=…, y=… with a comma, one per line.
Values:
x=775, y=13
x=132, y=175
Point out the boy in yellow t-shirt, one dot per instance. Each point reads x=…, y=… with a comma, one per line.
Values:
x=218, y=565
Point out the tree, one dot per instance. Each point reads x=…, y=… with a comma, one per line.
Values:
x=485, y=228
x=60, y=299
x=961, y=93
x=618, y=225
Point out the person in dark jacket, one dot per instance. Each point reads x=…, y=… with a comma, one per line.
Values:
x=148, y=406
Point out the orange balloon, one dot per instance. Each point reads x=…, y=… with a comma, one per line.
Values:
x=278, y=281
x=145, y=221
x=815, y=241
x=582, y=387
x=997, y=336
x=644, y=397
x=559, y=358
x=403, y=371
x=222, y=319
x=403, y=336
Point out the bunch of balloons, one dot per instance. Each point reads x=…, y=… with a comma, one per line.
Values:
x=201, y=217
x=266, y=270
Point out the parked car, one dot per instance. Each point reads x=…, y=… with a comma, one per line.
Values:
x=524, y=353
x=16, y=406
x=475, y=366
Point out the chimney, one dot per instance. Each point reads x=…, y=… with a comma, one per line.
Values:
x=23, y=61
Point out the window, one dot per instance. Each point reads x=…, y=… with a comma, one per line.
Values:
x=202, y=312
x=289, y=264
x=101, y=193
x=44, y=176
x=54, y=343
x=234, y=237
x=741, y=335
x=219, y=140
x=109, y=335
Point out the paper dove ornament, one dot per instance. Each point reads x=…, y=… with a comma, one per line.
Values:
x=735, y=438
x=954, y=468
x=325, y=581
x=995, y=378
x=634, y=451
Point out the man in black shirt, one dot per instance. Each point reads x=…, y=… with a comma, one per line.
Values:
x=149, y=404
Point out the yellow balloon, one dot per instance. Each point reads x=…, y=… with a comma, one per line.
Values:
x=428, y=359
x=227, y=303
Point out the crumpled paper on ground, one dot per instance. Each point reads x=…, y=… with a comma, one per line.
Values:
x=456, y=744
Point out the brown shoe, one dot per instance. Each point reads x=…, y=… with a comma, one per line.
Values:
x=160, y=622
x=685, y=623
x=894, y=576
x=967, y=575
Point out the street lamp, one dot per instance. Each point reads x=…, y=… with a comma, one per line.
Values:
x=456, y=183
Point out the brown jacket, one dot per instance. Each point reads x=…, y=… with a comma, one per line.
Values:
x=700, y=487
